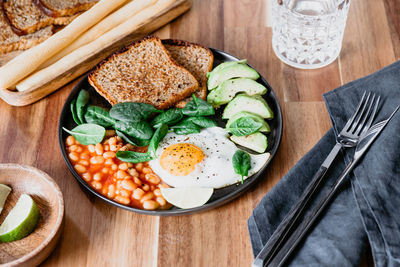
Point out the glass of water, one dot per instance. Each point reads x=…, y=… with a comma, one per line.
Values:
x=308, y=34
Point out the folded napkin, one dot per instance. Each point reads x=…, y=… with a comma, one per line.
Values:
x=367, y=208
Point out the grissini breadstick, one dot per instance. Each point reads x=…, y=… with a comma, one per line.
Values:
x=119, y=16
x=27, y=62
x=81, y=54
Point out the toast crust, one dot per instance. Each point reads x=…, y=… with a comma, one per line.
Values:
x=202, y=91
x=50, y=11
x=40, y=20
x=173, y=99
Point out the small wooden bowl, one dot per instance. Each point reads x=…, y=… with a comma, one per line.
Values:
x=33, y=249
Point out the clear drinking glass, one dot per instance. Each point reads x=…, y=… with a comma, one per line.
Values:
x=308, y=34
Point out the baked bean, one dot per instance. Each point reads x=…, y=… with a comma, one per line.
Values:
x=85, y=155
x=138, y=193
x=130, y=165
x=104, y=191
x=111, y=191
x=133, y=172
x=97, y=185
x=73, y=156
x=114, y=147
x=150, y=205
x=137, y=181
x=99, y=149
x=105, y=170
x=148, y=196
x=109, y=162
x=97, y=160
x=98, y=176
x=152, y=178
x=124, y=193
x=79, y=168
x=91, y=148
x=109, y=155
x=70, y=140
x=123, y=166
x=142, y=176
x=161, y=201
x=74, y=148
x=119, y=139
x=84, y=162
x=121, y=174
x=146, y=187
x=114, y=167
x=122, y=200
x=128, y=185
x=157, y=192
x=139, y=167
x=106, y=148
x=112, y=141
x=147, y=170
x=87, y=176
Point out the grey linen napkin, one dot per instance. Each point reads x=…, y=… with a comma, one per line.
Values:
x=367, y=208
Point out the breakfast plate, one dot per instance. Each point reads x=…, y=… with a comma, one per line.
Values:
x=220, y=196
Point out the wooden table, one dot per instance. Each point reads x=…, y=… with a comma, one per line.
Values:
x=98, y=234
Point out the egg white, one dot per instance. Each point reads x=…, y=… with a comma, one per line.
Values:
x=216, y=169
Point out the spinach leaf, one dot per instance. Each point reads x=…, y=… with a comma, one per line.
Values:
x=203, y=122
x=198, y=107
x=88, y=134
x=73, y=111
x=168, y=117
x=185, y=127
x=98, y=115
x=133, y=141
x=156, y=139
x=133, y=157
x=132, y=112
x=244, y=126
x=241, y=163
x=81, y=102
x=139, y=130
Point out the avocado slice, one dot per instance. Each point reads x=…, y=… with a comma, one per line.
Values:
x=264, y=127
x=233, y=71
x=226, y=64
x=256, y=141
x=254, y=104
x=227, y=90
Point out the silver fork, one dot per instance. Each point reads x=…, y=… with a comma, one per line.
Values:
x=358, y=124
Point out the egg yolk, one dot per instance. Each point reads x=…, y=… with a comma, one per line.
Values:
x=181, y=159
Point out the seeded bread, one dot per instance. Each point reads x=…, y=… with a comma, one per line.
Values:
x=143, y=72
x=60, y=8
x=197, y=59
x=10, y=41
x=25, y=17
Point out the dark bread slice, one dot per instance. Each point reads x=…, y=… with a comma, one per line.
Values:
x=60, y=8
x=25, y=17
x=10, y=41
x=143, y=72
x=197, y=59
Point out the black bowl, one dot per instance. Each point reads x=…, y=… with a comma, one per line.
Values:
x=220, y=196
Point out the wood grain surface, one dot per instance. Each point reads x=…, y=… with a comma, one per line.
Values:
x=97, y=234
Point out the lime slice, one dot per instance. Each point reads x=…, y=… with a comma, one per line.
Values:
x=21, y=220
x=4, y=191
x=187, y=197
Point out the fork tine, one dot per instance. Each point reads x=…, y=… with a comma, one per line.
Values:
x=350, y=121
x=365, y=116
x=371, y=118
x=360, y=115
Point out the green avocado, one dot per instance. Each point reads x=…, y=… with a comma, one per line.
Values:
x=226, y=64
x=227, y=90
x=218, y=75
x=254, y=104
x=256, y=141
x=257, y=118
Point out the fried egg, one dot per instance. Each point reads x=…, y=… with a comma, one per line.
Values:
x=200, y=160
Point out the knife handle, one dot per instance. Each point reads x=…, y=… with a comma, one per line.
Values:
x=284, y=253
x=285, y=227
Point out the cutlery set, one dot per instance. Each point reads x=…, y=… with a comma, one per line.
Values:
x=357, y=133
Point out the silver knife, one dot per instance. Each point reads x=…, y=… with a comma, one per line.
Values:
x=365, y=142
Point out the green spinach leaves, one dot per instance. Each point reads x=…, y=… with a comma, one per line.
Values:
x=132, y=112
x=198, y=107
x=241, y=163
x=244, y=126
x=87, y=134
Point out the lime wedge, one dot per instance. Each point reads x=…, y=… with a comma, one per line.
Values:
x=21, y=220
x=4, y=191
x=187, y=197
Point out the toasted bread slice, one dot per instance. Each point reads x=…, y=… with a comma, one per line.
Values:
x=10, y=41
x=143, y=72
x=197, y=59
x=61, y=8
x=25, y=17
